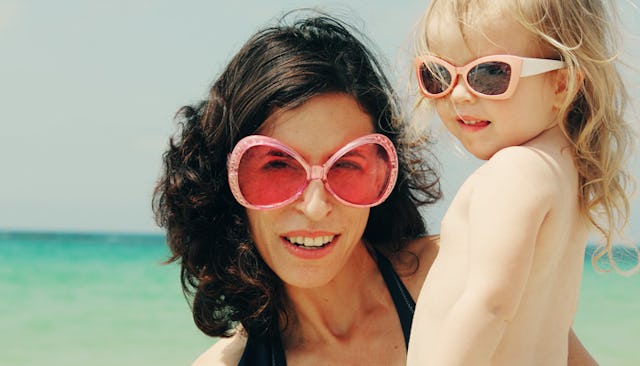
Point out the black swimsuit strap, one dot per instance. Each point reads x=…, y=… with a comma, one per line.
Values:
x=263, y=352
x=269, y=351
x=405, y=306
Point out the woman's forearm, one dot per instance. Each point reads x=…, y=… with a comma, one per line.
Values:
x=578, y=355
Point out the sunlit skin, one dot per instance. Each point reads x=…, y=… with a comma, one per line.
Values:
x=504, y=288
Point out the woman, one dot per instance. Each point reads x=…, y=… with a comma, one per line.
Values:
x=279, y=200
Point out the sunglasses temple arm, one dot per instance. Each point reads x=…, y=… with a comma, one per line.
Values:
x=532, y=66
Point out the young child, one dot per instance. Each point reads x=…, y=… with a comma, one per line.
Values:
x=530, y=87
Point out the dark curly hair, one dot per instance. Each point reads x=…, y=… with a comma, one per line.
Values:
x=282, y=66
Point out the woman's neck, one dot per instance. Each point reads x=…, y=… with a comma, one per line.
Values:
x=332, y=312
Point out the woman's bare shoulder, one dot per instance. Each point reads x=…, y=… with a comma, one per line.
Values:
x=225, y=352
x=414, y=262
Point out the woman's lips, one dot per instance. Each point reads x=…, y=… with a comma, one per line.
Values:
x=309, y=241
x=310, y=245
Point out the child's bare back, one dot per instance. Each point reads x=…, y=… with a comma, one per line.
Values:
x=527, y=240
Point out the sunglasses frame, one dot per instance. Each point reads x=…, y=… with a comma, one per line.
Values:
x=313, y=171
x=520, y=67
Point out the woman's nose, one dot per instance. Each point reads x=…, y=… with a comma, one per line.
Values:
x=314, y=201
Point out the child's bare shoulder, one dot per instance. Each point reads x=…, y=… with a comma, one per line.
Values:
x=521, y=170
x=521, y=154
x=524, y=161
x=225, y=352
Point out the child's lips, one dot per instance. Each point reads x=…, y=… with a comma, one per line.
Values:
x=472, y=122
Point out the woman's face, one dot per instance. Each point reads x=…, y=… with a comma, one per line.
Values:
x=308, y=242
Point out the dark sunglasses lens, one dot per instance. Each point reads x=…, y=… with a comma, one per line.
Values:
x=490, y=78
x=361, y=175
x=268, y=175
x=434, y=78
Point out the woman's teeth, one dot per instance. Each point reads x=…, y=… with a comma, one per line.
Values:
x=316, y=242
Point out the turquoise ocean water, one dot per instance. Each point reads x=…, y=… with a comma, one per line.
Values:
x=96, y=299
x=92, y=300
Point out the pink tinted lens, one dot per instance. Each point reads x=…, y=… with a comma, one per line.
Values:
x=268, y=175
x=361, y=175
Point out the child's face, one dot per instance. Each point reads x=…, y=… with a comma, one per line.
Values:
x=482, y=125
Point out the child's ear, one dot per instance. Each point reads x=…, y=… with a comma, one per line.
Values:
x=562, y=85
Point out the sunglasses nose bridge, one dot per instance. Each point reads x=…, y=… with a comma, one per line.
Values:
x=316, y=172
x=462, y=74
x=458, y=73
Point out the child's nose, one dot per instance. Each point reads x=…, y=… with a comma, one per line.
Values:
x=461, y=93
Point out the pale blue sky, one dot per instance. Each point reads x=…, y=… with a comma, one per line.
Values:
x=88, y=89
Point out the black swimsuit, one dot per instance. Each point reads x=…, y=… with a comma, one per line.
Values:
x=269, y=352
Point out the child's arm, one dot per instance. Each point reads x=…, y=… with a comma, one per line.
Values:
x=512, y=194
